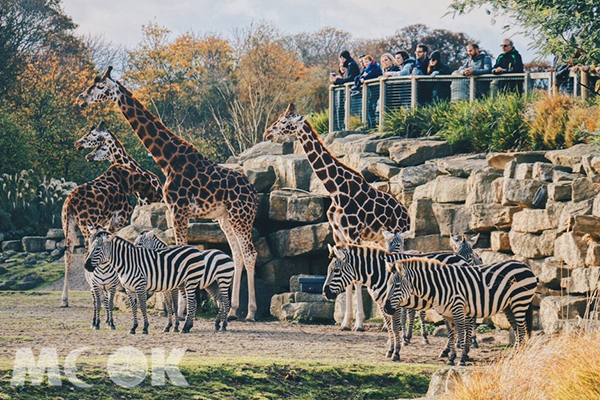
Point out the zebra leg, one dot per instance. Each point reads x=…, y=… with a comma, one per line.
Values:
x=347, y=321
x=411, y=325
x=463, y=335
x=474, y=333
x=109, y=309
x=225, y=303
x=142, y=295
x=133, y=304
x=96, y=299
x=190, y=294
x=169, y=303
x=360, y=310
x=396, y=332
x=174, y=302
x=450, y=342
x=214, y=292
x=403, y=312
x=387, y=324
x=423, y=330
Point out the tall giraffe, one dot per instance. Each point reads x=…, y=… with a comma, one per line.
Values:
x=100, y=202
x=109, y=147
x=358, y=212
x=195, y=187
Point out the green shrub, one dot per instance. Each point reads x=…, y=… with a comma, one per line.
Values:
x=320, y=122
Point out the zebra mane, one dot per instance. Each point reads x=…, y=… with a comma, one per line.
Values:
x=398, y=265
x=355, y=247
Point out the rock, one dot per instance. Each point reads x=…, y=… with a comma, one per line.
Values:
x=479, y=186
x=372, y=166
x=562, y=176
x=556, y=308
x=422, y=218
x=571, y=249
x=50, y=245
x=427, y=244
x=582, y=280
x=586, y=165
x=595, y=164
x=462, y=166
x=1, y=237
x=316, y=186
x=303, y=297
x=261, y=178
x=550, y=272
x=583, y=189
x=533, y=221
x=443, y=189
x=570, y=210
x=543, y=171
x=55, y=253
x=414, y=152
x=340, y=305
x=296, y=207
x=155, y=215
x=488, y=217
x=490, y=257
x=278, y=272
x=34, y=244
x=592, y=257
x=409, y=177
x=266, y=148
x=201, y=232
x=440, y=331
x=559, y=191
x=308, y=311
x=354, y=143
x=263, y=250
x=520, y=191
x=510, y=170
x=433, y=317
x=596, y=206
x=55, y=234
x=451, y=219
x=277, y=302
x=500, y=241
x=572, y=155
x=586, y=224
x=533, y=246
x=291, y=171
x=131, y=232
x=499, y=160
x=524, y=171
x=302, y=240
x=500, y=321
x=444, y=381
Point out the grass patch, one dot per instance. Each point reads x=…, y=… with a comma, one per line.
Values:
x=245, y=379
x=41, y=265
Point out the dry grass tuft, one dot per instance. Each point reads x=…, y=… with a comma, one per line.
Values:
x=565, y=367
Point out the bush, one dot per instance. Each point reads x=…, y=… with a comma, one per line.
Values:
x=320, y=122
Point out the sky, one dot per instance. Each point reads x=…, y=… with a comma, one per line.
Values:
x=120, y=21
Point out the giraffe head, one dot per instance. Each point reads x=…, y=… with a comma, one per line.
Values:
x=95, y=137
x=103, y=88
x=289, y=123
x=100, y=153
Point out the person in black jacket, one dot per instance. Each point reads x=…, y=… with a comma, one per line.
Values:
x=351, y=67
x=509, y=62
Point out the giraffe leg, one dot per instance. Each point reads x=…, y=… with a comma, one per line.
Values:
x=70, y=238
x=180, y=226
x=360, y=310
x=249, y=256
x=236, y=255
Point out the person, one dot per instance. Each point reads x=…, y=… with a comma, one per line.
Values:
x=422, y=62
x=350, y=70
x=405, y=62
x=509, y=62
x=371, y=70
x=439, y=90
x=478, y=63
x=389, y=63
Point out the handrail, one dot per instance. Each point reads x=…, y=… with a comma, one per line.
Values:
x=381, y=94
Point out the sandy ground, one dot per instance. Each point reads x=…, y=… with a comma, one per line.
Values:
x=35, y=320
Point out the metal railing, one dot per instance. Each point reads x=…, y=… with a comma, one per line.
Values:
x=377, y=95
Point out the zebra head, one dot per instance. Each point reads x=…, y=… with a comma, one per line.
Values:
x=399, y=286
x=339, y=273
x=464, y=248
x=394, y=242
x=100, y=245
x=149, y=240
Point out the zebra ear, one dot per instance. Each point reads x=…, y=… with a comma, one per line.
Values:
x=91, y=229
x=406, y=234
x=455, y=242
x=387, y=235
x=338, y=253
x=330, y=249
x=474, y=240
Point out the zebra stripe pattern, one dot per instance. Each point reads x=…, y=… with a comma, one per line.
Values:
x=141, y=270
x=460, y=291
x=367, y=265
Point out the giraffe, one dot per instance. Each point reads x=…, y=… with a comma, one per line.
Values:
x=100, y=202
x=358, y=212
x=109, y=147
x=195, y=187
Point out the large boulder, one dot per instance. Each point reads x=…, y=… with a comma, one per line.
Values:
x=500, y=241
x=422, y=218
x=550, y=272
x=372, y=166
x=279, y=271
x=488, y=217
x=451, y=218
x=532, y=246
x=520, y=191
x=443, y=189
x=34, y=244
x=302, y=240
x=410, y=177
x=54, y=234
x=265, y=148
x=462, y=166
x=553, y=309
x=445, y=380
x=571, y=249
x=354, y=143
x=559, y=191
x=414, y=152
x=428, y=243
x=261, y=178
x=583, y=189
x=533, y=221
x=569, y=211
x=479, y=186
x=296, y=207
x=582, y=281
x=321, y=311
x=499, y=160
x=155, y=215
x=586, y=224
x=291, y=171
x=201, y=232
x=572, y=155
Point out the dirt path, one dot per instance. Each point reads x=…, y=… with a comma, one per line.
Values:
x=35, y=320
x=76, y=279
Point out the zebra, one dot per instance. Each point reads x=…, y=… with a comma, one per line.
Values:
x=367, y=265
x=141, y=270
x=458, y=292
x=464, y=247
x=149, y=240
x=394, y=243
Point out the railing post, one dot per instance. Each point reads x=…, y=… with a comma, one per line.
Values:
x=363, y=106
x=332, y=107
x=526, y=83
x=381, y=103
x=585, y=83
x=551, y=83
x=346, y=106
x=471, y=89
x=413, y=91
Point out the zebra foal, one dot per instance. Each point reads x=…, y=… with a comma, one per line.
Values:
x=461, y=292
x=141, y=270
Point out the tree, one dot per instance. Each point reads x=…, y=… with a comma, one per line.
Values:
x=320, y=48
x=557, y=27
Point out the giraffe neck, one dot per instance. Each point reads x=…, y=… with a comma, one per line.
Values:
x=120, y=156
x=327, y=167
x=161, y=143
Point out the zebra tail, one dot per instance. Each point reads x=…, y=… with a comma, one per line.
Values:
x=529, y=320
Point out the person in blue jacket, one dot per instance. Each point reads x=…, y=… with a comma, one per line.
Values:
x=371, y=70
x=422, y=56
